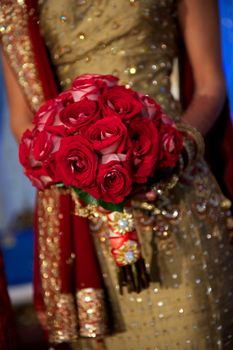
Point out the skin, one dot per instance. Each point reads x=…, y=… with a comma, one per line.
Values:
x=200, y=28
x=20, y=114
x=199, y=24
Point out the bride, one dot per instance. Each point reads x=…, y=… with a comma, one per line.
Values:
x=185, y=238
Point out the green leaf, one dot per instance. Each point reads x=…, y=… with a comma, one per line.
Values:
x=111, y=206
x=89, y=199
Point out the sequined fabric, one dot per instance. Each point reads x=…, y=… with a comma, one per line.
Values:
x=189, y=303
x=134, y=40
x=60, y=312
x=91, y=312
x=16, y=43
x=185, y=239
x=67, y=315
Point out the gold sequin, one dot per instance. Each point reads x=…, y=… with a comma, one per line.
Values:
x=59, y=307
x=184, y=236
x=17, y=46
x=82, y=36
x=132, y=70
x=92, y=314
x=110, y=45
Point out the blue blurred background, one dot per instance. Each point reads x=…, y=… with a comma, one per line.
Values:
x=226, y=21
x=17, y=195
x=16, y=206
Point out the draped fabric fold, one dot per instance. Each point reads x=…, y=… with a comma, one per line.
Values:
x=67, y=279
x=186, y=238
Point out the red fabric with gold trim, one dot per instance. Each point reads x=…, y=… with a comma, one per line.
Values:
x=45, y=73
x=50, y=90
x=78, y=266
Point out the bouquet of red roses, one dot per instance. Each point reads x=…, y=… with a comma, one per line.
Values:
x=104, y=141
x=100, y=138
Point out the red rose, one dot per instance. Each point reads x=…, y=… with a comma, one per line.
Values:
x=121, y=102
x=162, y=119
x=26, y=155
x=65, y=98
x=50, y=167
x=47, y=112
x=39, y=177
x=90, y=85
x=114, y=181
x=171, y=144
x=44, y=144
x=108, y=135
x=80, y=115
x=145, y=143
x=77, y=162
x=58, y=129
x=48, y=116
x=119, y=157
x=153, y=109
x=95, y=80
x=25, y=148
x=36, y=154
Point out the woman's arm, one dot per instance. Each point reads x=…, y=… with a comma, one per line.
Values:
x=199, y=25
x=20, y=113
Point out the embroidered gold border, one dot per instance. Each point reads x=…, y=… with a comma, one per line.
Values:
x=60, y=308
x=17, y=46
x=91, y=312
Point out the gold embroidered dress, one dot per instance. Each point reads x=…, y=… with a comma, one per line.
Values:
x=192, y=306
x=189, y=304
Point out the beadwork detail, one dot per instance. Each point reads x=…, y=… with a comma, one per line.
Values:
x=92, y=314
x=184, y=238
x=139, y=54
x=17, y=46
x=60, y=309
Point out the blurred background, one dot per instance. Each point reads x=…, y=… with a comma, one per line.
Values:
x=226, y=22
x=17, y=200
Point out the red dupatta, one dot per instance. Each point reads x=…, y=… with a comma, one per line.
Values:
x=67, y=278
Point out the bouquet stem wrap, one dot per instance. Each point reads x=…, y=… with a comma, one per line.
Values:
x=124, y=244
x=126, y=251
